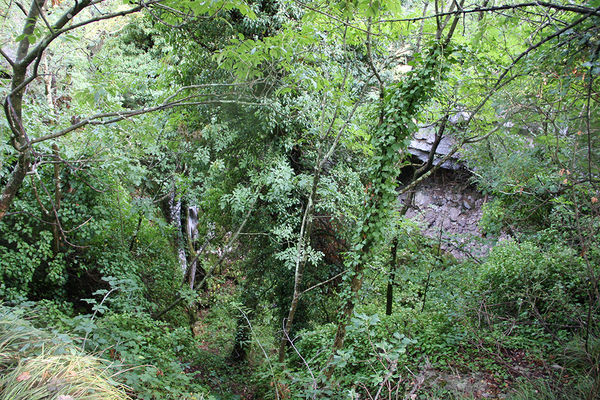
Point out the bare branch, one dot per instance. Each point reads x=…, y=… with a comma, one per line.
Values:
x=452, y=152
x=119, y=116
x=323, y=282
x=44, y=17
x=370, y=58
x=333, y=17
x=262, y=348
x=23, y=10
x=571, y=8
x=59, y=26
x=287, y=336
x=7, y=58
x=207, y=85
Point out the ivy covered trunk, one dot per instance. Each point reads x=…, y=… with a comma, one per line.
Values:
x=399, y=106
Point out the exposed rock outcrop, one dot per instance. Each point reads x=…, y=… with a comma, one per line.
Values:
x=447, y=201
x=423, y=140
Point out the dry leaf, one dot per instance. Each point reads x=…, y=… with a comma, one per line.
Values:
x=23, y=377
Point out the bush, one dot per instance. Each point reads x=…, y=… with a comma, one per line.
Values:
x=523, y=280
x=373, y=355
x=150, y=357
x=156, y=355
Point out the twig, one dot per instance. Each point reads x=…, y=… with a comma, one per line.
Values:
x=418, y=380
x=541, y=42
x=333, y=17
x=302, y=358
x=570, y=8
x=11, y=62
x=323, y=283
x=43, y=17
x=119, y=116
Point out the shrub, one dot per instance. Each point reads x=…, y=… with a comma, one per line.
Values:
x=156, y=355
x=373, y=354
x=523, y=280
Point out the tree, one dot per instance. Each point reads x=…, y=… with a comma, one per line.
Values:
x=31, y=45
x=277, y=158
x=25, y=69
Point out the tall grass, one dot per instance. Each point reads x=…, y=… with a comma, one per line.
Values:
x=36, y=365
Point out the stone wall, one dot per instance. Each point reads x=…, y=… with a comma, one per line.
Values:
x=447, y=201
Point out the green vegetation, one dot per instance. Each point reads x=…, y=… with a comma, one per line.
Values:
x=211, y=200
x=36, y=364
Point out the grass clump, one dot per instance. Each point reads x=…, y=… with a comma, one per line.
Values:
x=35, y=364
x=60, y=377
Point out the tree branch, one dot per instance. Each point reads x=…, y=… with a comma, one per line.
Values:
x=571, y=8
x=119, y=116
x=7, y=58
x=333, y=17
x=323, y=282
x=541, y=42
x=59, y=26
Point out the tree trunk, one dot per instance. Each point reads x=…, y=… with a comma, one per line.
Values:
x=13, y=109
x=379, y=199
x=14, y=182
x=407, y=202
x=390, y=285
x=303, y=241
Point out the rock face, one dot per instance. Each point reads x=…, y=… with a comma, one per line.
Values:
x=422, y=142
x=449, y=203
x=446, y=203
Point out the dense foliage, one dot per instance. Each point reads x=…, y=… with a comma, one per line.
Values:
x=210, y=199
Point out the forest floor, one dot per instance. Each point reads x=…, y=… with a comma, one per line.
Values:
x=471, y=371
x=228, y=380
x=483, y=376
x=465, y=378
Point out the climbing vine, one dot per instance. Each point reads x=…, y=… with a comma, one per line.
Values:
x=399, y=105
